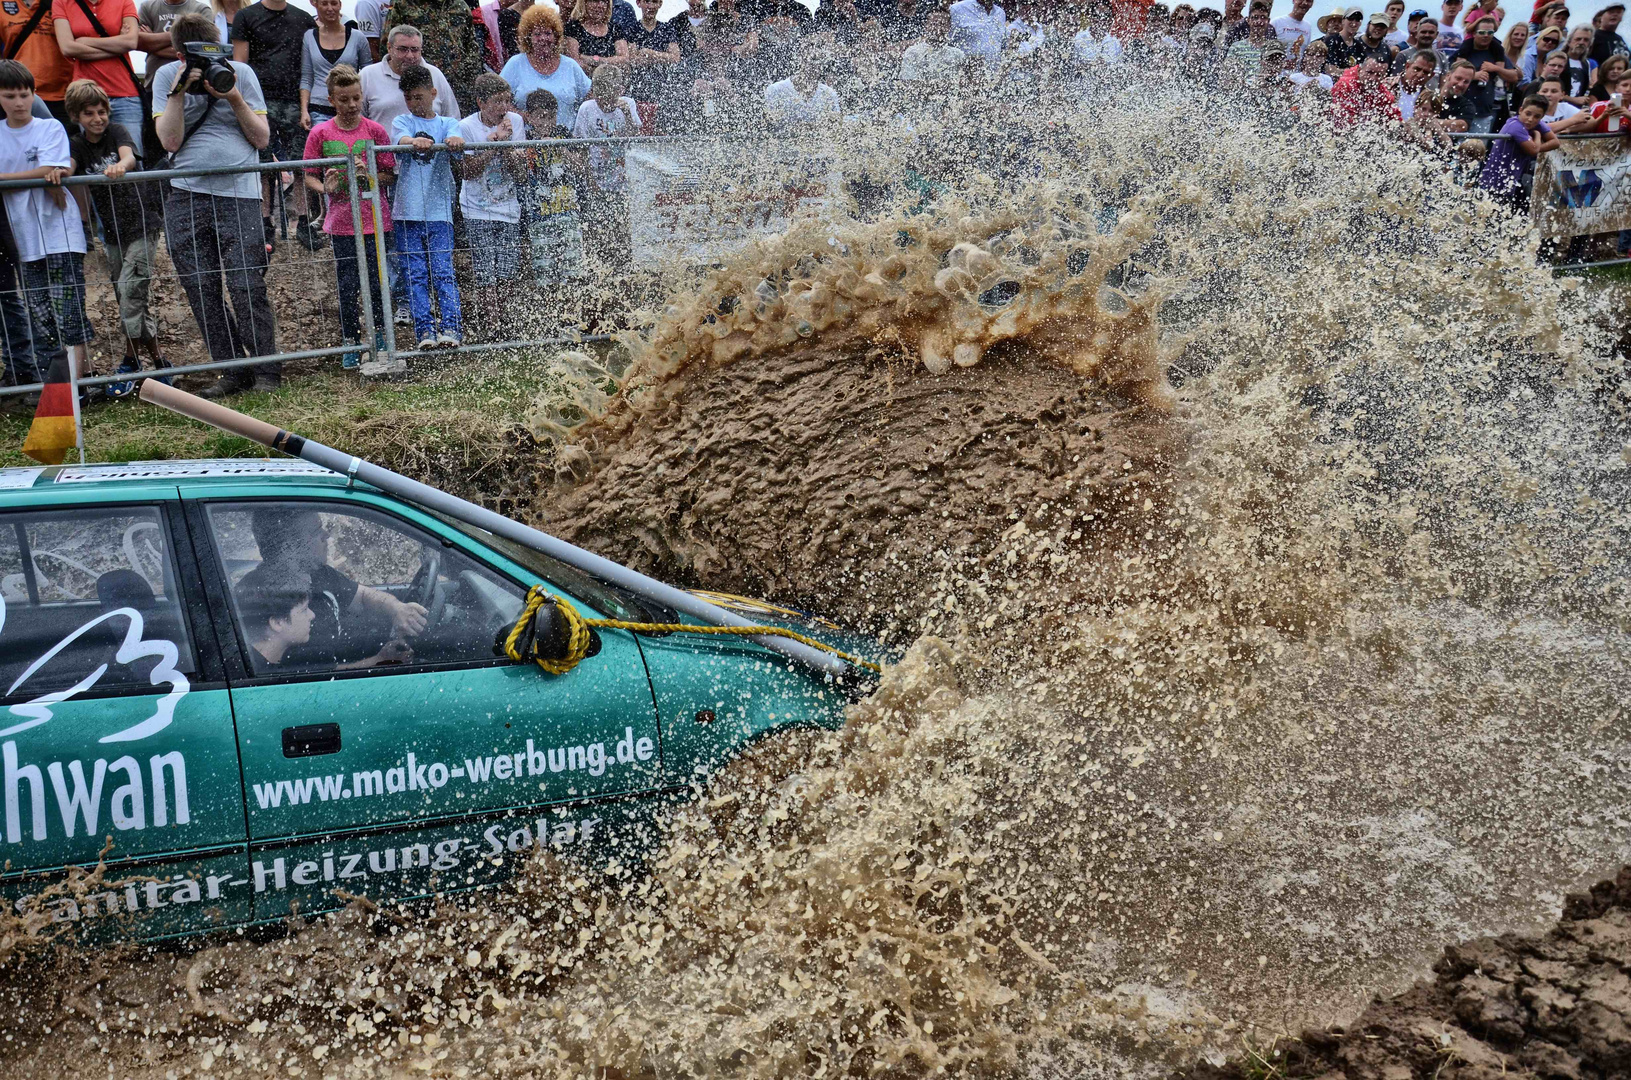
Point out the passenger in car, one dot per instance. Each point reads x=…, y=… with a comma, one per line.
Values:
x=278, y=616
x=297, y=538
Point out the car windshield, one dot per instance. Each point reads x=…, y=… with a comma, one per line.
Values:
x=615, y=602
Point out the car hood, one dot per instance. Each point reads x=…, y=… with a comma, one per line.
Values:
x=823, y=630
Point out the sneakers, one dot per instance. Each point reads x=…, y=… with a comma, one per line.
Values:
x=448, y=340
x=235, y=382
x=123, y=389
x=160, y=364
x=350, y=361
x=266, y=383
x=403, y=316
x=428, y=342
x=309, y=236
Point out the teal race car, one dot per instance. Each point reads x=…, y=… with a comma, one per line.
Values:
x=250, y=688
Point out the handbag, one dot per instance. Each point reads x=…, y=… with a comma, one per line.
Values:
x=151, y=150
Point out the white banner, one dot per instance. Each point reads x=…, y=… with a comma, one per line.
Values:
x=1583, y=187
x=700, y=207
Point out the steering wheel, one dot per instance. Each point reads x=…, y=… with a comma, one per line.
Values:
x=424, y=594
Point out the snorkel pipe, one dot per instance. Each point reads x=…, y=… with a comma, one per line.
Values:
x=155, y=392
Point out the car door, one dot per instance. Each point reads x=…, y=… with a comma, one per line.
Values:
x=116, y=734
x=376, y=773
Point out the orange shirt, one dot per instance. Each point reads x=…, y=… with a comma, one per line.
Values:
x=110, y=72
x=39, y=54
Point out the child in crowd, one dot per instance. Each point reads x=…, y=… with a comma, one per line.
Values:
x=607, y=114
x=1562, y=116
x=45, y=222
x=423, y=209
x=1509, y=159
x=550, y=206
x=348, y=135
x=132, y=217
x=492, y=210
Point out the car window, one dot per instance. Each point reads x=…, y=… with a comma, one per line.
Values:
x=79, y=587
x=326, y=586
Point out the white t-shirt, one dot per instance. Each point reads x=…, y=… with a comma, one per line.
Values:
x=784, y=103
x=1396, y=38
x=1291, y=31
x=931, y=63
x=492, y=195
x=1090, y=50
x=1300, y=80
x=977, y=31
x=371, y=16
x=39, y=225
x=606, y=162
x=1561, y=111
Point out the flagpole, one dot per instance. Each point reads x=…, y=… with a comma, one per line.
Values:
x=73, y=395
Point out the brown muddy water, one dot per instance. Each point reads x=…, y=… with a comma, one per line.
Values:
x=1257, y=555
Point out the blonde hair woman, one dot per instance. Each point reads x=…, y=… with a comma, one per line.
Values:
x=540, y=66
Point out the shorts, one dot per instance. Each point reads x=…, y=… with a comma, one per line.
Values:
x=288, y=142
x=54, y=289
x=557, y=248
x=495, y=251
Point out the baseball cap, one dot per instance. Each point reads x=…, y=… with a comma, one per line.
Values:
x=1419, y=13
x=1353, y=13
x=1377, y=18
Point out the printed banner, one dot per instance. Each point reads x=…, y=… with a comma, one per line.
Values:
x=1583, y=187
x=696, y=206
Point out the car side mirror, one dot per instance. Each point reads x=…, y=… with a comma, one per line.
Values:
x=551, y=639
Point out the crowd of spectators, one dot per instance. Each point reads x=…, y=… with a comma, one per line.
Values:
x=415, y=74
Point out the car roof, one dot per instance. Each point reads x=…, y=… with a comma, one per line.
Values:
x=188, y=473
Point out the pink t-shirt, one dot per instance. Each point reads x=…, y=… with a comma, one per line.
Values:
x=329, y=139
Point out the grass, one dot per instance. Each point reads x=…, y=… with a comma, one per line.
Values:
x=461, y=425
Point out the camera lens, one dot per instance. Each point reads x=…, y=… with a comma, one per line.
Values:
x=222, y=79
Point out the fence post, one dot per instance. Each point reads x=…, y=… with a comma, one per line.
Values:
x=389, y=364
x=361, y=243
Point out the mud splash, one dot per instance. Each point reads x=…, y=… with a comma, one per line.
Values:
x=1226, y=702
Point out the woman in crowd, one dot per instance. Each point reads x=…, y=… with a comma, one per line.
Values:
x=1547, y=42
x=592, y=39
x=654, y=52
x=225, y=12
x=1516, y=43
x=502, y=18
x=1608, y=73
x=327, y=45
x=98, y=36
x=540, y=66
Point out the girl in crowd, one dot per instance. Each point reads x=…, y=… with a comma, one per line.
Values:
x=540, y=65
x=326, y=46
x=1310, y=71
x=1547, y=42
x=592, y=39
x=225, y=12
x=1608, y=73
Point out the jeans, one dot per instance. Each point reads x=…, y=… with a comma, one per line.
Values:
x=128, y=111
x=22, y=346
x=211, y=237
x=345, y=274
x=426, y=251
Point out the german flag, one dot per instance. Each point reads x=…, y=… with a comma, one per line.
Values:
x=54, y=430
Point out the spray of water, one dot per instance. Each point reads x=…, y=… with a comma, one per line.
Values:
x=1248, y=506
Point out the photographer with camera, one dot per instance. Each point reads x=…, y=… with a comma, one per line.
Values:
x=210, y=113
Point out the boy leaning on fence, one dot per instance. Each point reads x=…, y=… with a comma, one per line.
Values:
x=549, y=203
x=348, y=135
x=492, y=210
x=132, y=217
x=45, y=222
x=423, y=211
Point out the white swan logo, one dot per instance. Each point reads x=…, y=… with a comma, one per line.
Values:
x=134, y=647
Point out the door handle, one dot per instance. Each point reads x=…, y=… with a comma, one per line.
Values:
x=309, y=740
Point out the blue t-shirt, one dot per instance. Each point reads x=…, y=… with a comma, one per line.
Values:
x=1503, y=168
x=569, y=85
x=424, y=189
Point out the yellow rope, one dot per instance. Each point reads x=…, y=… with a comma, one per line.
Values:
x=578, y=638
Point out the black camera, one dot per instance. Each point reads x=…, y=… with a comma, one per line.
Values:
x=212, y=62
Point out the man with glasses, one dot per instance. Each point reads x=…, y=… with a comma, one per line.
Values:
x=382, y=82
x=1492, y=75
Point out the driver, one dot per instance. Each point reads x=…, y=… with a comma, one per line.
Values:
x=275, y=604
x=297, y=539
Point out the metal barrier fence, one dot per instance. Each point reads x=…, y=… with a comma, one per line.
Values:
x=241, y=271
x=215, y=251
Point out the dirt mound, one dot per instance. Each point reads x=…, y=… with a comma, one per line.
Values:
x=816, y=479
x=1552, y=1006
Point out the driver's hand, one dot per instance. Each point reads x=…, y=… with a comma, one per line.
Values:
x=393, y=652
x=408, y=620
